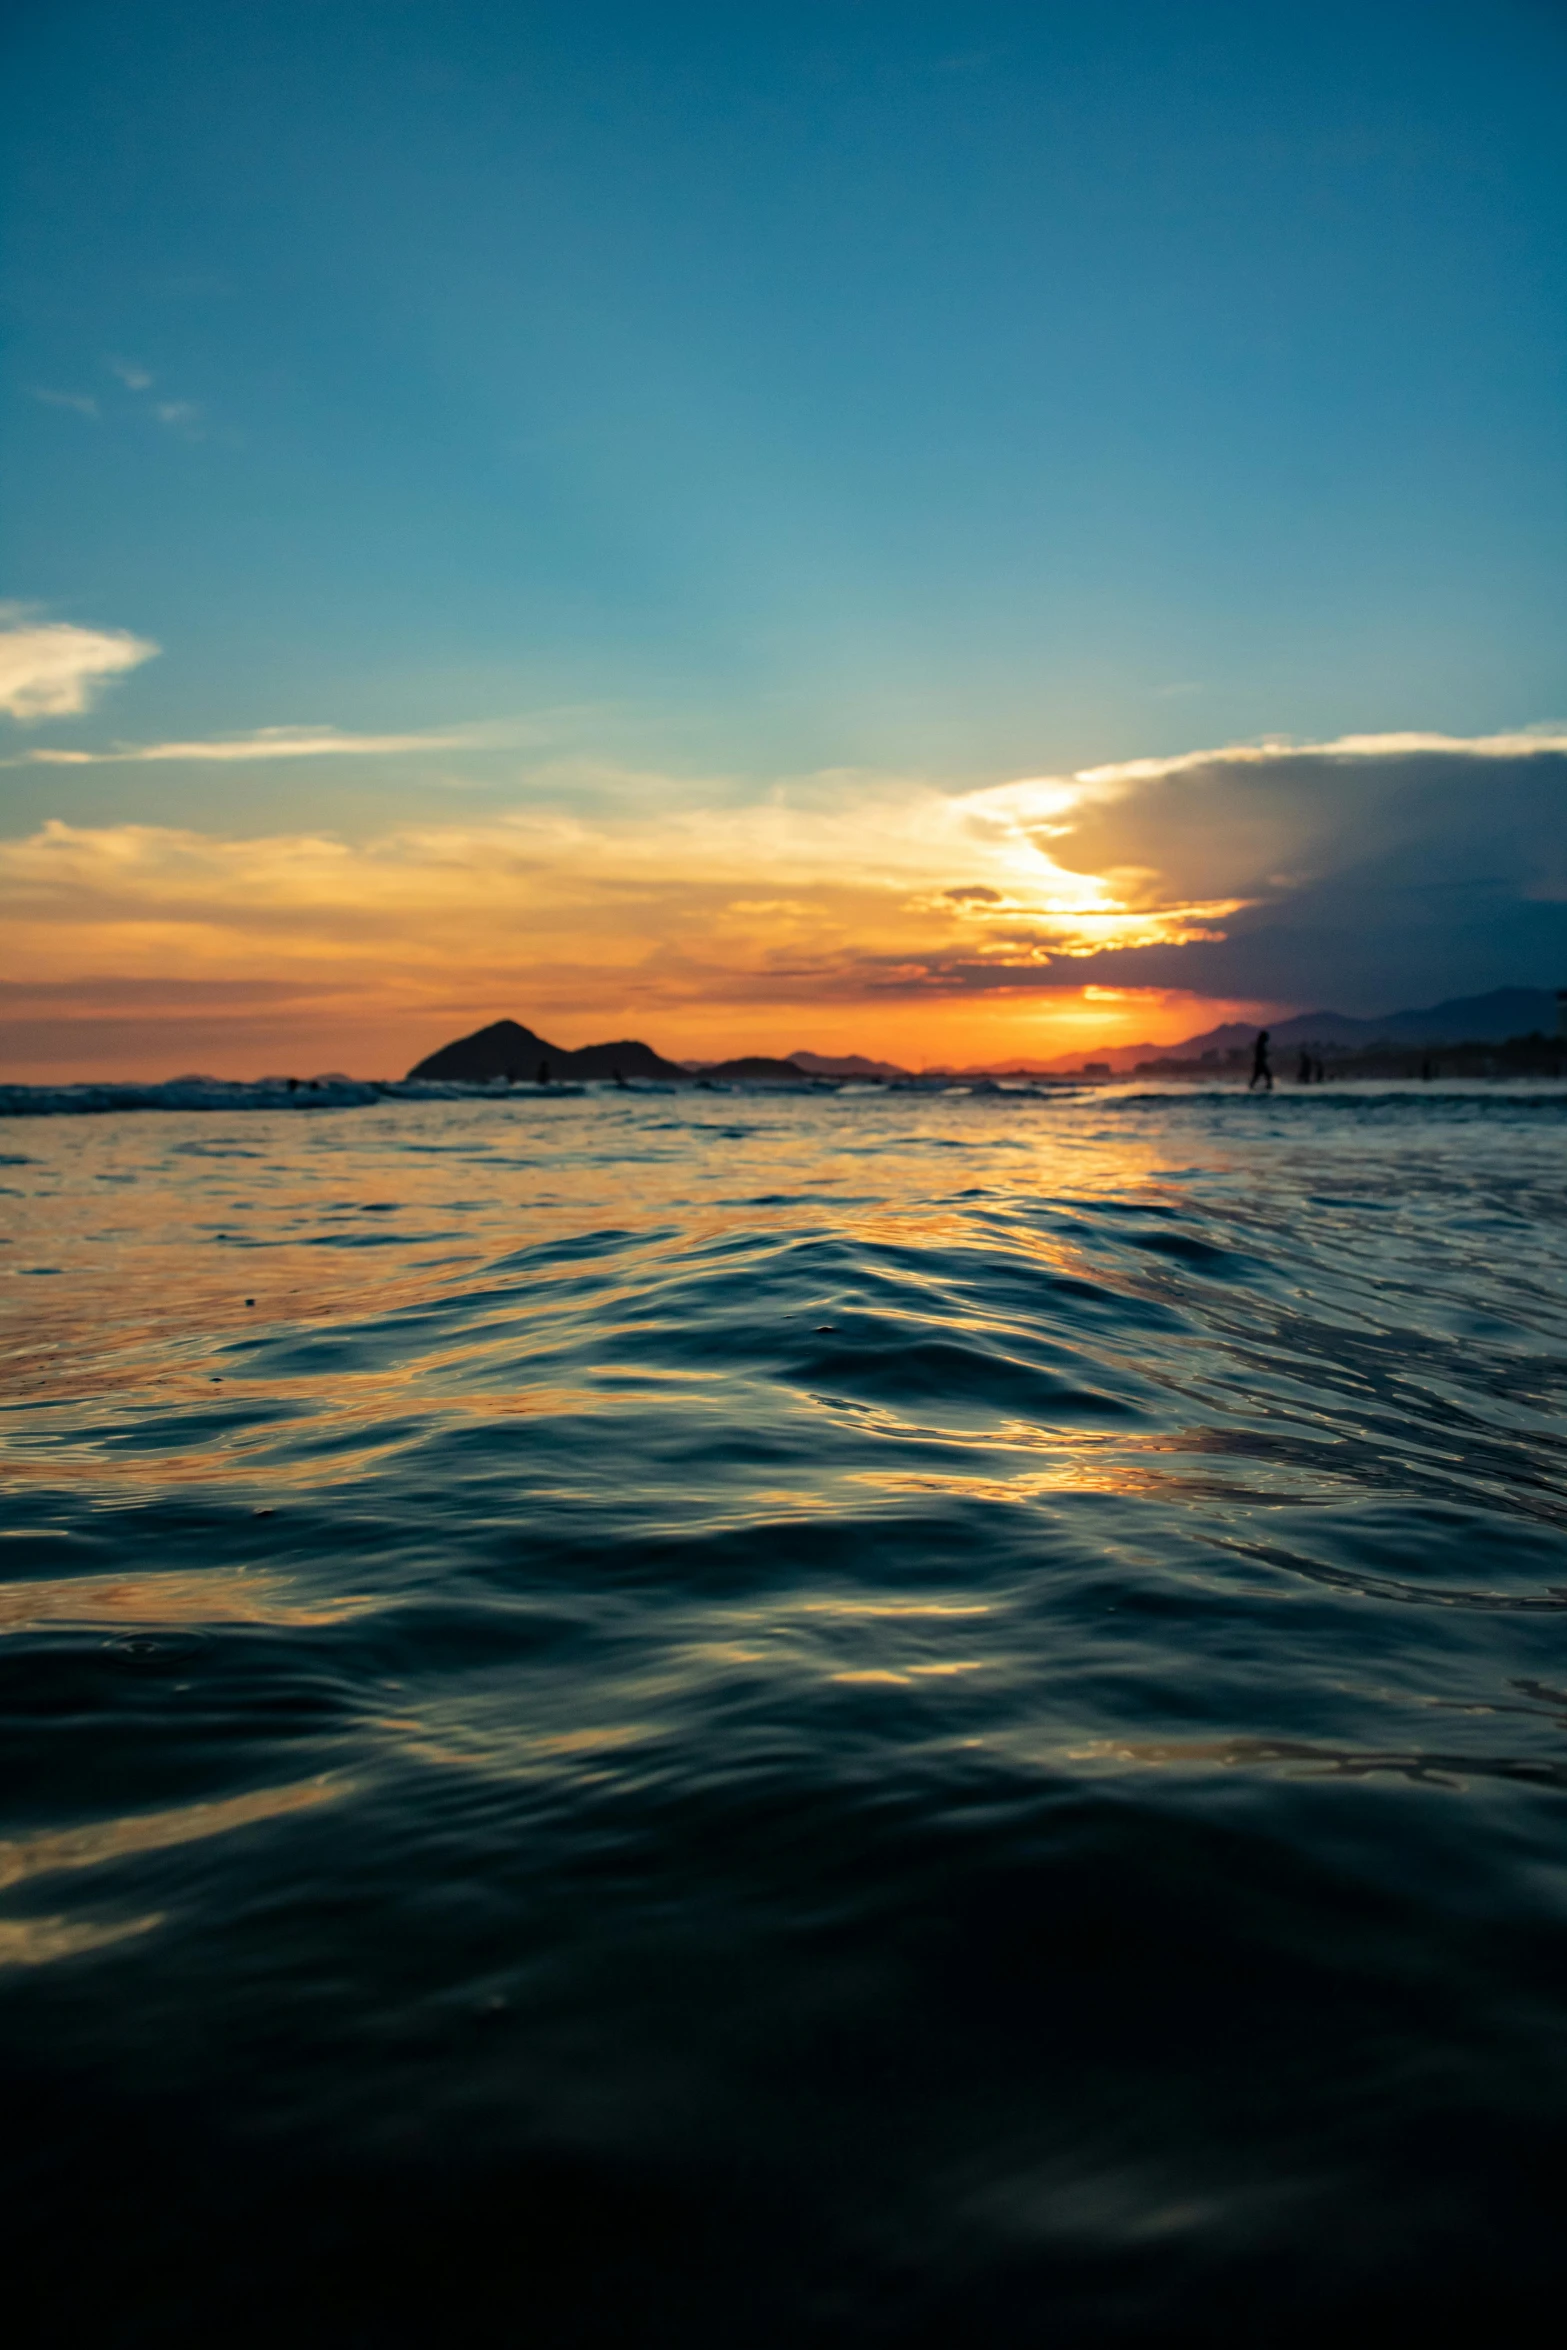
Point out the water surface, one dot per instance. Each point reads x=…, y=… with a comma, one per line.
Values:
x=734, y=1718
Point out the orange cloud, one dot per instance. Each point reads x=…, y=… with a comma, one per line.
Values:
x=842, y=912
x=865, y=895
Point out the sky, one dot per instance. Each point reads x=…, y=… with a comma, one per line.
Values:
x=947, y=532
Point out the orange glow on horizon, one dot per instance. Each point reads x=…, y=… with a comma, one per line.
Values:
x=365, y=1039
x=887, y=919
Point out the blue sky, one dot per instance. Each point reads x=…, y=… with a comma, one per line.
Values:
x=726, y=395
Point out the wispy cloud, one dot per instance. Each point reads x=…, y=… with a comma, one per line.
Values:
x=53, y=670
x=185, y=417
x=178, y=414
x=1277, y=751
x=891, y=878
x=82, y=403
x=278, y=742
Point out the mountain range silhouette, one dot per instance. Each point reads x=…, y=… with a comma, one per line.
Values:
x=505, y=1049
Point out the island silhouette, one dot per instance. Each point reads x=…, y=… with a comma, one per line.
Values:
x=508, y=1051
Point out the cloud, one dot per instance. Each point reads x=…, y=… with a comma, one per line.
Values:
x=1371, y=870
x=1362, y=874
x=651, y=905
x=183, y=416
x=54, y=670
x=82, y=402
x=94, y=993
x=278, y=742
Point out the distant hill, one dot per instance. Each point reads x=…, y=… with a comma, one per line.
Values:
x=504, y=1049
x=756, y=1069
x=629, y=1057
x=845, y=1065
x=1465, y=1019
x=1470, y=1019
x=507, y=1049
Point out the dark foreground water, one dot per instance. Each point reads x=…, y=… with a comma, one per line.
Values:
x=743, y=1720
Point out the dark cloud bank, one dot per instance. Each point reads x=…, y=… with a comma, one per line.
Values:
x=1377, y=875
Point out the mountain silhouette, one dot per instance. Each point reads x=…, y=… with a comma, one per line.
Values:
x=756, y=1069
x=507, y=1049
x=1470, y=1019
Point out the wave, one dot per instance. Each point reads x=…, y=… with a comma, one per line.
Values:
x=855, y=1718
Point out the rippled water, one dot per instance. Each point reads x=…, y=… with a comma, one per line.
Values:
x=742, y=1719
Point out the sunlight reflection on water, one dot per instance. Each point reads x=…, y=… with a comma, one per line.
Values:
x=602, y=1641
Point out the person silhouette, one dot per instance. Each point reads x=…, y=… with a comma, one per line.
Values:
x=1261, y=1071
x=1303, y=1073
x=543, y=1077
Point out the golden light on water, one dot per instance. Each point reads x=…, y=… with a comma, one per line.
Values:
x=39, y=1941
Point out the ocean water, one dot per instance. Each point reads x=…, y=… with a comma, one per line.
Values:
x=734, y=1718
